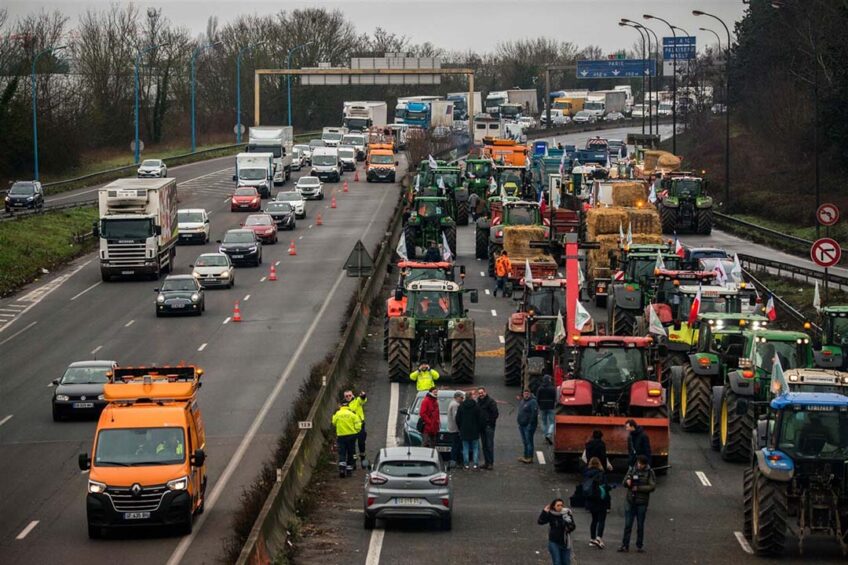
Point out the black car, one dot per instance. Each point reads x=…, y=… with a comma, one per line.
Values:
x=283, y=214
x=79, y=392
x=411, y=435
x=25, y=195
x=242, y=247
x=180, y=294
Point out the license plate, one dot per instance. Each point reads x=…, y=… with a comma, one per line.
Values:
x=127, y=272
x=443, y=449
x=408, y=501
x=238, y=256
x=136, y=515
x=83, y=405
x=177, y=305
x=244, y=205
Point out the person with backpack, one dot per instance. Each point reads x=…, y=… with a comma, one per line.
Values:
x=546, y=398
x=560, y=522
x=596, y=494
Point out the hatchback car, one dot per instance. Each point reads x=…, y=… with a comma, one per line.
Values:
x=411, y=435
x=310, y=188
x=80, y=390
x=193, y=225
x=245, y=199
x=283, y=214
x=241, y=246
x=408, y=483
x=296, y=200
x=264, y=226
x=347, y=157
x=214, y=270
x=584, y=117
x=24, y=194
x=155, y=168
x=180, y=294
x=313, y=143
x=614, y=117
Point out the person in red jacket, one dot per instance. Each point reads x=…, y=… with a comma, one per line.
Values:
x=429, y=414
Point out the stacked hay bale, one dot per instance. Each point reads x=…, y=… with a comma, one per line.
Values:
x=516, y=242
x=658, y=161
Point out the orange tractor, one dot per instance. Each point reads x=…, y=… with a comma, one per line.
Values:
x=506, y=151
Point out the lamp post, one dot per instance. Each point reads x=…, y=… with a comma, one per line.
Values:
x=673, y=82
x=35, y=106
x=138, y=55
x=194, y=55
x=288, y=77
x=657, y=49
x=726, y=105
x=641, y=28
x=642, y=35
x=238, y=88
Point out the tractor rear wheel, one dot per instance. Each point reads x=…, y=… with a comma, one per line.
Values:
x=462, y=213
x=400, y=359
x=481, y=248
x=672, y=401
x=463, y=356
x=386, y=337
x=623, y=321
x=734, y=429
x=705, y=221
x=450, y=236
x=668, y=217
x=492, y=250
x=694, y=401
x=748, y=502
x=715, y=428
x=769, y=512
x=513, y=354
x=409, y=237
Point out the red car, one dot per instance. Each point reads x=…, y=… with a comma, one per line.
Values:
x=245, y=198
x=263, y=225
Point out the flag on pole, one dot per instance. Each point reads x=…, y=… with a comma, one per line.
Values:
x=629, y=235
x=562, y=164
x=433, y=163
x=581, y=278
x=654, y=324
x=447, y=254
x=652, y=197
x=417, y=183
x=442, y=185
x=528, y=276
x=721, y=274
x=401, y=248
x=620, y=233
x=678, y=248
x=695, y=309
x=581, y=316
x=660, y=264
x=771, y=313
x=778, y=379
x=736, y=271
x=817, y=298
x=493, y=186
x=559, y=330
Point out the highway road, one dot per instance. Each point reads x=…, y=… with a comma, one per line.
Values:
x=253, y=368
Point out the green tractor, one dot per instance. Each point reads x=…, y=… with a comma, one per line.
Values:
x=628, y=296
x=490, y=231
x=832, y=351
x=511, y=179
x=478, y=173
x=427, y=221
x=431, y=182
x=434, y=328
x=684, y=205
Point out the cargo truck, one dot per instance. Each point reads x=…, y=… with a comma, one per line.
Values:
x=402, y=106
x=460, y=104
x=359, y=116
x=429, y=114
x=257, y=170
x=602, y=102
x=494, y=100
x=526, y=97
x=137, y=229
x=278, y=140
x=568, y=105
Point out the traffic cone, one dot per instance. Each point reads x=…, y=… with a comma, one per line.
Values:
x=333, y=201
x=273, y=275
x=344, y=187
x=236, y=313
x=292, y=249
x=355, y=176
x=319, y=221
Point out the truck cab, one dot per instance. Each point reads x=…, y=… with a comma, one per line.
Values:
x=332, y=137
x=256, y=170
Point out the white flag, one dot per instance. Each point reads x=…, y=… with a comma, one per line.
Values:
x=581, y=278
x=417, y=182
x=660, y=264
x=559, y=330
x=447, y=254
x=528, y=276
x=493, y=186
x=581, y=317
x=433, y=163
x=654, y=324
x=736, y=271
x=652, y=197
x=721, y=274
x=442, y=184
x=817, y=298
x=629, y=234
x=401, y=248
x=620, y=233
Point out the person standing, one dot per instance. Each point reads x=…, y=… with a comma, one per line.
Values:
x=528, y=419
x=347, y=425
x=596, y=495
x=473, y=199
x=489, y=408
x=638, y=442
x=424, y=378
x=546, y=397
x=429, y=414
x=470, y=422
x=502, y=269
x=357, y=404
x=596, y=447
x=453, y=429
x=640, y=482
x=560, y=522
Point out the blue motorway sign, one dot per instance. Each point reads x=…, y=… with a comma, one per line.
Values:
x=617, y=68
x=682, y=47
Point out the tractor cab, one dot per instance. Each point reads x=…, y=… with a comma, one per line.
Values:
x=833, y=353
x=640, y=267
x=429, y=300
x=479, y=170
x=684, y=204
x=510, y=179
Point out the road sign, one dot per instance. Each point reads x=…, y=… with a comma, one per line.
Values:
x=359, y=262
x=682, y=47
x=827, y=214
x=616, y=68
x=669, y=65
x=304, y=425
x=140, y=145
x=826, y=252
x=238, y=128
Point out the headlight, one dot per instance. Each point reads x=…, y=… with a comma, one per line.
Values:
x=160, y=299
x=195, y=297
x=225, y=275
x=178, y=484
x=221, y=249
x=7, y=199
x=252, y=249
x=195, y=274
x=101, y=397
x=29, y=199
x=62, y=397
x=95, y=487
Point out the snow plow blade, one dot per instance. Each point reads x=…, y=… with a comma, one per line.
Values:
x=572, y=433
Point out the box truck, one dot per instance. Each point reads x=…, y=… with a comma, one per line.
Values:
x=460, y=104
x=359, y=116
x=278, y=140
x=257, y=170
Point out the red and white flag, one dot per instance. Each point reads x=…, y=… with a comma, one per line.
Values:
x=696, y=308
x=771, y=313
x=678, y=249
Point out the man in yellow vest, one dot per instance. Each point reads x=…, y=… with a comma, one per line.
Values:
x=347, y=425
x=425, y=378
x=357, y=404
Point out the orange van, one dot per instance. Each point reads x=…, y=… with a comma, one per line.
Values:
x=380, y=164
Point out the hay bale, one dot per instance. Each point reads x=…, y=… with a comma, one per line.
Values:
x=600, y=258
x=644, y=221
x=629, y=194
x=655, y=159
x=668, y=162
x=516, y=241
x=603, y=221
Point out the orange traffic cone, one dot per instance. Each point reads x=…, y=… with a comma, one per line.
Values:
x=333, y=201
x=273, y=275
x=356, y=175
x=319, y=221
x=236, y=313
x=292, y=249
x=344, y=187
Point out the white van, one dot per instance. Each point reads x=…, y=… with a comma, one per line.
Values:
x=325, y=164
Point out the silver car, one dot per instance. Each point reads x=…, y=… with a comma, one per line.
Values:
x=305, y=152
x=152, y=168
x=214, y=270
x=296, y=199
x=408, y=483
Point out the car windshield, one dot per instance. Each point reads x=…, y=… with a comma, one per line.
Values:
x=308, y=181
x=86, y=375
x=347, y=153
x=382, y=159
x=151, y=163
x=520, y=216
x=316, y=143
x=245, y=191
x=547, y=301
x=444, y=404
x=822, y=433
x=179, y=285
x=709, y=254
x=417, y=274
x=262, y=220
x=278, y=207
x=20, y=188
x=184, y=217
x=239, y=237
x=427, y=208
x=213, y=260
x=433, y=305
x=289, y=197
x=332, y=137
x=252, y=174
x=792, y=355
x=141, y=228
x=324, y=160
x=408, y=469
x=612, y=367
x=139, y=447
x=354, y=140
x=838, y=333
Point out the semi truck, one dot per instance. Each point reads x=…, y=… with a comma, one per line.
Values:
x=526, y=97
x=359, y=116
x=402, y=105
x=460, y=104
x=429, y=114
x=137, y=229
x=257, y=170
x=278, y=140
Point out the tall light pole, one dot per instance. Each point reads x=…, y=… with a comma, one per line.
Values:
x=238, y=88
x=726, y=105
x=194, y=55
x=288, y=77
x=138, y=56
x=641, y=28
x=35, y=106
x=673, y=82
x=657, y=50
x=644, y=68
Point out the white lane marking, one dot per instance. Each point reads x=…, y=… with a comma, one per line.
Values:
x=703, y=478
x=202, y=347
x=375, y=547
x=262, y=279
x=7, y=310
x=42, y=292
x=5, y=315
x=746, y=547
x=487, y=291
x=482, y=273
x=77, y=295
x=17, y=306
x=246, y=298
x=25, y=532
x=96, y=349
x=128, y=324
x=7, y=418
x=301, y=237
x=277, y=264
x=310, y=226
x=226, y=320
x=391, y=427
x=501, y=339
x=540, y=457
x=17, y=333
x=494, y=312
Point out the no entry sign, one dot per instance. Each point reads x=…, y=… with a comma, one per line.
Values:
x=826, y=252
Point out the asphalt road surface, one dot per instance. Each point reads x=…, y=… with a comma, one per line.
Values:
x=253, y=368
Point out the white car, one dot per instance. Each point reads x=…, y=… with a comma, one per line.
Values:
x=305, y=151
x=214, y=269
x=527, y=121
x=152, y=168
x=295, y=198
x=357, y=141
x=297, y=159
x=613, y=117
x=311, y=188
x=193, y=225
x=584, y=117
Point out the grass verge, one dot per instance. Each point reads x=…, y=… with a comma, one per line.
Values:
x=799, y=294
x=41, y=241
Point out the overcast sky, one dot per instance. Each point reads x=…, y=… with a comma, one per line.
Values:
x=458, y=24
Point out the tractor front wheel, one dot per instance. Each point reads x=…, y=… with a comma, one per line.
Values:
x=734, y=429
x=705, y=221
x=769, y=513
x=668, y=217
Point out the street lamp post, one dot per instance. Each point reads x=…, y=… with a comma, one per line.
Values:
x=288, y=77
x=35, y=106
x=673, y=82
x=194, y=55
x=657, y=50
x=139, y=54
x=726, y=106
x=644, y=69
x=641, y=28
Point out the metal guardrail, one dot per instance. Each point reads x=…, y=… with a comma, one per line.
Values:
x=782, y=304
x=571, y=127
x=780, y=267
x=774, y=234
